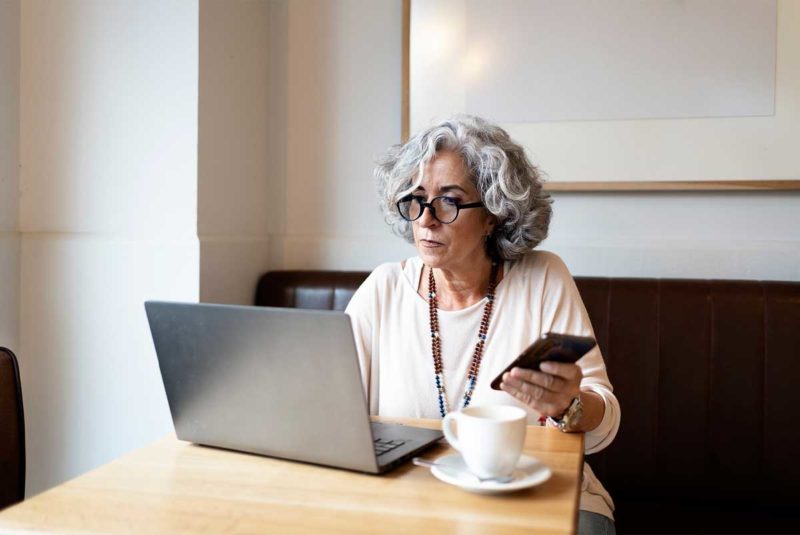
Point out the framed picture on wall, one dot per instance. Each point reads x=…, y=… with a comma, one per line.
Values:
x=629, y=95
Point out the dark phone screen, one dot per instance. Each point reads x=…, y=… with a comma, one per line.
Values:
x=552, y=346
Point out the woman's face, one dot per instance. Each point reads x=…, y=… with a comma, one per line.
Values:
x=460, y=244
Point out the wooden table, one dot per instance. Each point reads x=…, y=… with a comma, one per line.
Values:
x=175, y=487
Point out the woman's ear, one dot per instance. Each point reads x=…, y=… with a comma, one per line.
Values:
x=491, y=224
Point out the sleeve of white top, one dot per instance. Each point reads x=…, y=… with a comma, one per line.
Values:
x=363, y=310
x=563, y=312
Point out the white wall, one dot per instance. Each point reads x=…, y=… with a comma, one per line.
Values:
x=344, y=110
x=679, y=235
x=702, y=235
x=239, y=191
x=297, y=99
x=713, y=148
x=9, y=174
x=108, y=147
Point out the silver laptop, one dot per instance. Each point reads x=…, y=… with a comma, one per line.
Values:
x=280, y=382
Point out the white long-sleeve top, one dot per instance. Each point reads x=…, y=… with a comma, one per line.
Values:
x=536, y=295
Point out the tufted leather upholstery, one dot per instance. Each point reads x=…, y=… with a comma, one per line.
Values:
x=12, y=432
x=325, y=290
x=708, y=377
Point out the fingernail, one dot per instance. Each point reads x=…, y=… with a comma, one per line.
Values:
x=546, y=367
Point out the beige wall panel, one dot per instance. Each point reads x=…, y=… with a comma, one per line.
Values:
x=233, y=167
x=344, y=110
x=9, y=114
x=108, y=216
x=9, y=291
x=9, y=174
x=90, y=375
x=230, y=268
x=109, y=117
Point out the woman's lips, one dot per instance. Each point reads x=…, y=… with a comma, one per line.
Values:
x=430, y=243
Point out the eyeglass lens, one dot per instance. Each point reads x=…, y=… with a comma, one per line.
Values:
x=444, y=209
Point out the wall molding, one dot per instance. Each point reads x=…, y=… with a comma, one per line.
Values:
x=107, y=236
x=677, y=185
x=222, y=238
x=641, y=257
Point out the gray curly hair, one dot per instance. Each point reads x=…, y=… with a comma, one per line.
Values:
x=510, y=186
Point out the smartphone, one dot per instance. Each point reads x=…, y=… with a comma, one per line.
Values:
x=551, y=346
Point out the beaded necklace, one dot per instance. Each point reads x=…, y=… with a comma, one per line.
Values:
x=436, y=344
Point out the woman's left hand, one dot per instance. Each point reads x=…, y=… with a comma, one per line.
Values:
x=549, y=391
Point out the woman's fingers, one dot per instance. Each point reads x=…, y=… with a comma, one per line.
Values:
x=565, y=370
x=547, y=404
x=567, y=380
x=535, y=391
x=550, y=392
x=545, y=380
x=535, y=396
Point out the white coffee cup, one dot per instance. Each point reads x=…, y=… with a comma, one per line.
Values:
x=490, y=438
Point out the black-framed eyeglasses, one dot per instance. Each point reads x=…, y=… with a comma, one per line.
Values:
x=443, y=208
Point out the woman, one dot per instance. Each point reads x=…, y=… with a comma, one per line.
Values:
x=433, y=331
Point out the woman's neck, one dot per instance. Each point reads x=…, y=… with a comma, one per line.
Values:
x=458, y=289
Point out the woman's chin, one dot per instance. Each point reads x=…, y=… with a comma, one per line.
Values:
x=430, y=258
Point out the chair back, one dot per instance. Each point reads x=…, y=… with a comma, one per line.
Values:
x=12, y=432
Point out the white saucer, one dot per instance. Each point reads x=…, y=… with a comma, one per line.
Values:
x=528, y=473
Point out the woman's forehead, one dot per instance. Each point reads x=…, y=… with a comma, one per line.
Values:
x=446, y=171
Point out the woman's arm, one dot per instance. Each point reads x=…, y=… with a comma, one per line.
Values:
x=551, y=391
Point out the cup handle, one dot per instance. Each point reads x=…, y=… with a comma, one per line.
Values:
x=447, y=429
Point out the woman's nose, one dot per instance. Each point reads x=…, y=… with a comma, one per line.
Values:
x=426, y=219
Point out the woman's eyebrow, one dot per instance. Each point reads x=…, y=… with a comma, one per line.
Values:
x=450, y=187
x=453, y=187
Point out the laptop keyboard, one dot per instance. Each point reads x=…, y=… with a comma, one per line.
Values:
x=385, y=446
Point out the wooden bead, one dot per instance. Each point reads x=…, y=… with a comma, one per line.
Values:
x=436, y=348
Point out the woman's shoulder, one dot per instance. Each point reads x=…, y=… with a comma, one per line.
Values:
x=544, y=271
x=543, y=261
x=544, y=274
x=390, y=274
x=388, y=271
x=387, y=281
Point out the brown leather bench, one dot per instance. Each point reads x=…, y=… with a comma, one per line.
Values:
x=12, y=432
x=707, y=373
